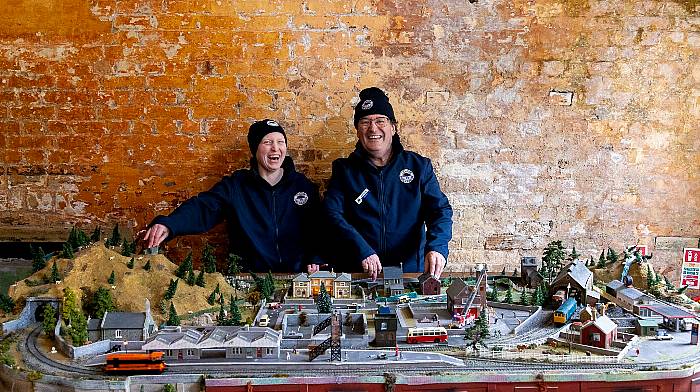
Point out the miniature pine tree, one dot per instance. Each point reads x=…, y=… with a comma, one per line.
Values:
x=669, y=285
x=515, y=272
x=191, y=278
x=116, y=238
x=493, y=294
x=232, y=264
x=211, y=299
x=601, y=260
x=38, y=259
x=525, y=298
x=222, y=316
x=503, y=273
x=147, y=266
x=111, y=278
x=323, y=301
x=130, y=264
x=169, y=388
x=650, y=277
x=125, y=248
x=612, y=256
x=103, y=302
x=538, y=298
x=591, y=263
x=172, y=287
x=96, y=234
x=78, y=329
x=268, y=286
x=67, y=251
x=208, y=259
x=49, y=322
x=77, y=238
x=574, y=255
x=55, y=276
x=72, y=238
x=478, y=332
x=509, y=295
x=70, y=305
x=184, y=267
x=217, y=289
x=173, y=318
x=200, y=279
x=552, y=260
x=234, y=312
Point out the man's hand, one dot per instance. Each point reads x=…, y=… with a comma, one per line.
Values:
x=435, y=263
x=155, y=235
x=372, y=266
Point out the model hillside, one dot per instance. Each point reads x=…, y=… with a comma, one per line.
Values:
x=130, y=280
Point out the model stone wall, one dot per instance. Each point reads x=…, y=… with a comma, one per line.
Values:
x=570, y=119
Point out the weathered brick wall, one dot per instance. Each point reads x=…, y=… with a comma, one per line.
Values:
x=572, y=119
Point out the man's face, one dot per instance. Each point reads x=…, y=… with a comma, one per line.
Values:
x=375, y=132
x=271, y=151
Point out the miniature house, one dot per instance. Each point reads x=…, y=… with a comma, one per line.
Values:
x=124, y=326
x=528, y=272
x=599, y=333
x=309, y=285
x=393, y=280
x=646, y=327
x=385, y=325
x=575, y=279
x=428, y=284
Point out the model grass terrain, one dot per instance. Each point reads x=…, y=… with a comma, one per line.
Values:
x=91, y=268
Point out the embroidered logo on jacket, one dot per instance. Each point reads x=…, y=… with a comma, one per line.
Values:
x=361, y=197
x=301, y=198
x=272, y=123
x=367, y=104
x=406, y=176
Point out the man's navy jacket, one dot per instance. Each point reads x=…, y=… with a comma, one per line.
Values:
x=269, y=227
x=386, y=210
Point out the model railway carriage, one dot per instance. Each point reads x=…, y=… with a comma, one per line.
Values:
x=135, y=363
x=563, y=314
x=423, y=335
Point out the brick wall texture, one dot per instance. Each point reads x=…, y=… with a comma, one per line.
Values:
x=572, y=119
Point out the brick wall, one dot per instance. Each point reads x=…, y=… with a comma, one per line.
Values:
x=573, y=119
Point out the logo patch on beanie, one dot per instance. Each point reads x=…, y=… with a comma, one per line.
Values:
x=272, y=123
x=367, y=104
x=406, y=176
x=301, y=198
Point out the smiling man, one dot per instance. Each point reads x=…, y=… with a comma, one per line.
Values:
x=385, y=202
x=272, y=211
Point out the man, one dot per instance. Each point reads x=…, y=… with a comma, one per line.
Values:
x=381, y=199
x=271, y=209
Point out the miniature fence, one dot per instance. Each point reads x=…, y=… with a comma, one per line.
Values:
x=539, y=357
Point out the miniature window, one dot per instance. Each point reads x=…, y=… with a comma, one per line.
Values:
x=268, y=351
x=118, y=334
x=595, y=337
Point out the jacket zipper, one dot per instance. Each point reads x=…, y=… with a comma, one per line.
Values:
x=382, y=223
x=274, y=217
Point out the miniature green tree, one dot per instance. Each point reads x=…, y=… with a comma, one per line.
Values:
x=525, y=298
x=478, y=332
x=323, y=301
x=539, y=297
x=234, y=312
x=208, y=259
x=173, y=318
x=67, y=251
x=172, y=287
x=130, y=264
x=147, y=266
x=650, y=277
x=211, y=299
x=70, y=305
x=221, y=320
x=612, y=256
x=509, y=295
x=126, y=249
x=169, y=388
x=493, y=294
x=184, y=267
x=552, y=261
x=78, y=329
x=38, y=258
x=253, y=297
x=200, y=279
x=601, y=260
x=233, y=268
x=515, y=273
x=669, y=285
x=116, y=238
x=191, y=279
x=111, y=278
x=77, y=238
x=49, y=323
x=7, y=304
x=503, y=273
x=268, y=286
x=55, y=276
x=103, y=302
x=591, y=263
x=96, y=234
x=574, y=255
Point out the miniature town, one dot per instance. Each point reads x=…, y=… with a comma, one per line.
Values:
x=556, y=310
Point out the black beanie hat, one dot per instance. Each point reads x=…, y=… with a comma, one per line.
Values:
x=373, y=101
x=261, y=128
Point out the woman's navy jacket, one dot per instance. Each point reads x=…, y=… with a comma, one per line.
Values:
x=397, y=211
x=270, y=227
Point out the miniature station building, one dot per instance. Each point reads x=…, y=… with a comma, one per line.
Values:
x=218, y=342
x=385, y=326
x=428, y=284
x=599, y=332
x=576, y=280
x=306, y=285
x=125, y=326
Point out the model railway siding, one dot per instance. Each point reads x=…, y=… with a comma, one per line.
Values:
x=48, y=365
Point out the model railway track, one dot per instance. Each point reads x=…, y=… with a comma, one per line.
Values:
x=47, y=364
